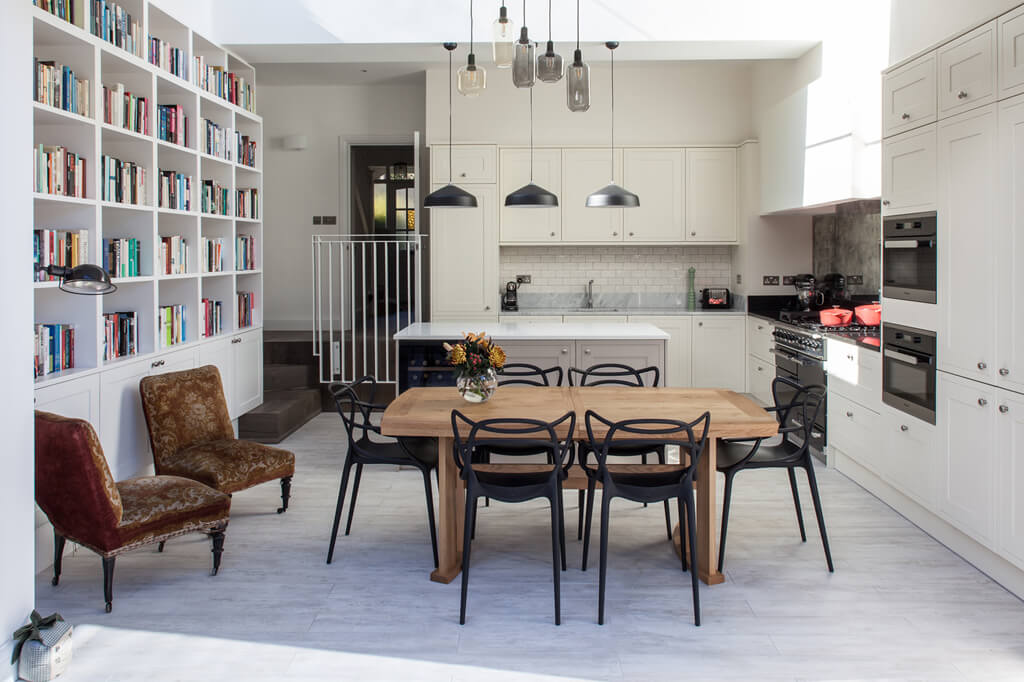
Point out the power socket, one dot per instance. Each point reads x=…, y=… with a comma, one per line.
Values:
x=787, y=280
x=770, y=281
x=524, y=279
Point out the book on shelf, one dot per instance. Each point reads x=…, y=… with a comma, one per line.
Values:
x=58, y=171
x=124, y=110
x=224, y=84
x=58, y=86
x=173, y=255
x=59, y=247
x=246, y=308
x=62, y=9
x=212, y=322
x=172, y=124
x=211, y=252
x=216, y=140
x=54, y=348
x=247, y=203
x=246, y=150
x=167, y=57
x=120, y=335
x=124, y=182
x=245, y=252
x=175, y=190
x=113, y=23
x=215, y=198
x=122, y=257
x=171, y=322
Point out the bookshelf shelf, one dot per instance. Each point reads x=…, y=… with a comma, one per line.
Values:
x=58, y=199
x=120, y=281
x=115, y=130
x=44, y=114
x=249, y=220
x=64, y=375
x=142, y=208
x=174, y=211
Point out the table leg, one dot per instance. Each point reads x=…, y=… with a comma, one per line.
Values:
x=451, y=500
x=707, y=518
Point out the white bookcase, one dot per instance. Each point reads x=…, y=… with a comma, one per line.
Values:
x=110, y=388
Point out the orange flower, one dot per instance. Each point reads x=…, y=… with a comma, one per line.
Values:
x=497, y=357
x=458, y=354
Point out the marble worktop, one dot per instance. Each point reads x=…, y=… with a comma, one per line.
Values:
x=538, y=331
x=616, y=304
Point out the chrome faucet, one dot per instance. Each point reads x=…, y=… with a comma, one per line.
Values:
x=588, y=302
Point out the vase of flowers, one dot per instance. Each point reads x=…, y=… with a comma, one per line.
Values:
x=476, y=361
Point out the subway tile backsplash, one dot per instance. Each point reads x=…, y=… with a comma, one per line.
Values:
x=616, y=269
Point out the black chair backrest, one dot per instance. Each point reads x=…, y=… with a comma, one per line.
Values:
x=526, y=374
x=355, y=412
x=797, y=405
x=627, y=438
x=614, y=374
x=530, y=437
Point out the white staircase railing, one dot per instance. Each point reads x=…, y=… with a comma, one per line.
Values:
x=365, y=288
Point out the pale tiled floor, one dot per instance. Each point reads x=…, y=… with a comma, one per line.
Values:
x=900, y=605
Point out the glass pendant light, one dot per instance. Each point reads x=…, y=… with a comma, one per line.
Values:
x=531, y=195
x=549, y=64
x=577, y=76
x=472, y=78
x=612, y=195
x=450, y=196
x=504, y=35
x=525, y=63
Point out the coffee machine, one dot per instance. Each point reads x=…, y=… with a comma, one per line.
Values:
x=510, y=299
x=806, y=291
x=833, y=289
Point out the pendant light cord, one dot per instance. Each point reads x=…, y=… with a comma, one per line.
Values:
x=450, y=88
x=471, y=26
x=577, y=24
x=531, y=135
x=549, y=21
x=613, y=114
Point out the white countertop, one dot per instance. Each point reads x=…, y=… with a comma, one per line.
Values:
x=452, y=331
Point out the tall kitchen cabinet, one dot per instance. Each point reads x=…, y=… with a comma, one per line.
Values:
x=719, y=352
x=1010, y=246
x=583, y=172
x=464, y=258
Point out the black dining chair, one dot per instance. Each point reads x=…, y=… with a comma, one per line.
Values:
x=514, y=482
x=644, y=482
x=362, y=449
x=796, y=420
x=616, y=374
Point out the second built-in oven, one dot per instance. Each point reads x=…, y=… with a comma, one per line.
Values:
x=908, y=370
x=909, y=257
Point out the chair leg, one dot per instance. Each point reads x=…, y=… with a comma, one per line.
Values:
x=561, y=524
x=582, y=500
x=591, y=486
x=472, y=529
x=603, y=563
x=725, y=520
x=58, y=556
x=217, y=540
x=352, y=502
x=557, y=553
x=643, y=460
x=668, y=514
x=430, y=513
x=337, y=509
x=682, y=529
x=796, y=503
x=813, y=481
x=286, y=492
x=160, y=546
x=466, y=545
x=108, y=582
x=691, y=529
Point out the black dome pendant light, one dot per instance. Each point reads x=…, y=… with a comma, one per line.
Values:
x=531, y=195
x=450, y=196
x=613, y=195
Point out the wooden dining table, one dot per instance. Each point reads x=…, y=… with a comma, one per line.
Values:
x=426, y=412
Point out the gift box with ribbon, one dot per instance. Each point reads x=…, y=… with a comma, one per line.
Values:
x=42, y=648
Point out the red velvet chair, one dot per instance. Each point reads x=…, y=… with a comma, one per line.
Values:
x=79, y=496
x=191, y=434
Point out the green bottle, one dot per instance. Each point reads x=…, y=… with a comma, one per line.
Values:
x=691, y=294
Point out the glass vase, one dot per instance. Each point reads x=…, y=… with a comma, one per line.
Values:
x=477, y=388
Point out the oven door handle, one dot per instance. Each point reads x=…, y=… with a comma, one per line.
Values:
x=806, y=362
x=907, y=243
x=905, y=357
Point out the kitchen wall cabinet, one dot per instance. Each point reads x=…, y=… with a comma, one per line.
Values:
x=908, y=96
x=1010, y=486
x=910, y=460
x=1011, y=56
x=471, y=163
x=583, y=172
x=967, y=71
x=967, y=234
x=1010, y=246
x=909, y=172
x=711, y=195
x=529, y=224
x=678, y=349
x=656, y=175
x=464, y=259
x=719, y=352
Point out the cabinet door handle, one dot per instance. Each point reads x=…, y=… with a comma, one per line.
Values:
x=850, y=358
x=552, y=234
x=760, y=369
x=462, y=175
x=849, y=414
x=157, y=363
x=962, y=94
x=630, y=234
x=586, y=351
x=700, y=324
x=759, y=327
x=982, y=365
x=1004, y=409
x=904, y=427
x=885, y=202
x=693, y=234
x=237, y=339
x=905, y=116
x=615, y=234
x=565, y=351
x=1004, y=372
x=982, y=402
x=487, y=307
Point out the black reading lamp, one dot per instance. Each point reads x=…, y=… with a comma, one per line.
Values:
x=84, y=279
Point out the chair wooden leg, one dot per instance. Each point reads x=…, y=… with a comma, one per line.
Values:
x=286, y=492
x=796, y=503
x=725, y=520
x=603, y=568
x=430, y=513
x=108, y=582
x=691, y=528
x=590, y=516
x=355, y=494
x=467, y=541
x=217, y=540
x=813, y=481
x=582, y=500
x=557, y=553
x=58, y=556
x=337, y=509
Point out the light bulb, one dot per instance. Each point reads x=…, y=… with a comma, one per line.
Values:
x=549, y=65
x=577, y=83
x=472, y=78
x=504, y=36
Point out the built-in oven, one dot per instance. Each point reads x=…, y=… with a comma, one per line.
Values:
x=908, y=257
x=908, y=370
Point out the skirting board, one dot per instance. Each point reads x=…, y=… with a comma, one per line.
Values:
x=985, y=560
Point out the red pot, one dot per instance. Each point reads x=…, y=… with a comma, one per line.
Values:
x=870, y=315
x=835, y=316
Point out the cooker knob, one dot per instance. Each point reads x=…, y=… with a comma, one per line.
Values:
x=1004, y=409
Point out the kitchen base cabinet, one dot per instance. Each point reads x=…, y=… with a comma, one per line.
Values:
x=719, y=350
x=122, y=425
x=543, y=354
x=854, y=430
x=239, y=359
x=760, y=375
x=910, y=460
x=636, y=354
x=678, y=348
x=1010, y=489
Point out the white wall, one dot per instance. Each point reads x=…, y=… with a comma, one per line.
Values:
x=917, y=25
x=301, y=184
x=656, y=104
x=17, y=592
x=198, y=14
